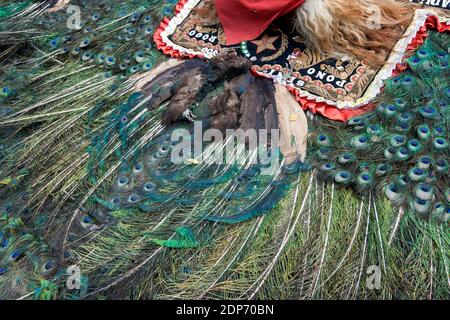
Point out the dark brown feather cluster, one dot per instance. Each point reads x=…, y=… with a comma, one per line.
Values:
x=245, y=102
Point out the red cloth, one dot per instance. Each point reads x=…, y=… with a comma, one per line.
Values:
x=245, y=20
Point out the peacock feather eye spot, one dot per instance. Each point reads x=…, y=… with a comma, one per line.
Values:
x=186, y=269
x=134, y=69
x=422, y=52
x=421, y=202
x=327, y=166
x=407, y=79
x=134, y=17
x=427, y=111
x=425, y=160
x=418, y=171
x=133, y=198
x=343, y=177
x=15, y=254
x=4, y=243
x=393, y=188
x=148, y=186
x=382, y=169
x=400, y=101
x=85, y=42
x=404, y=179
x=440, y=144
x=439, y=130
x=240, y=179
x=365, y=177
x=344, y=174
x=48, y=265
x=116, y=200
x=87, y=219
x=364, y=167
x=123, y=181
x=168, y=11
x=324, y=151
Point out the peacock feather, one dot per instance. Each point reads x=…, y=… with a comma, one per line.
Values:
x=94, y=207
x=400, y=149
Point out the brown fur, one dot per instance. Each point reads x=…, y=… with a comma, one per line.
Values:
x=343, y=27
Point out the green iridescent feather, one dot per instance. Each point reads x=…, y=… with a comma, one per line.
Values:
x=85, y=181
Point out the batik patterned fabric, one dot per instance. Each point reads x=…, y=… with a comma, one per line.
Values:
x=336, y=88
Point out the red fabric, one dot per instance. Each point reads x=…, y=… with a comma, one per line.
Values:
x=245, y=20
